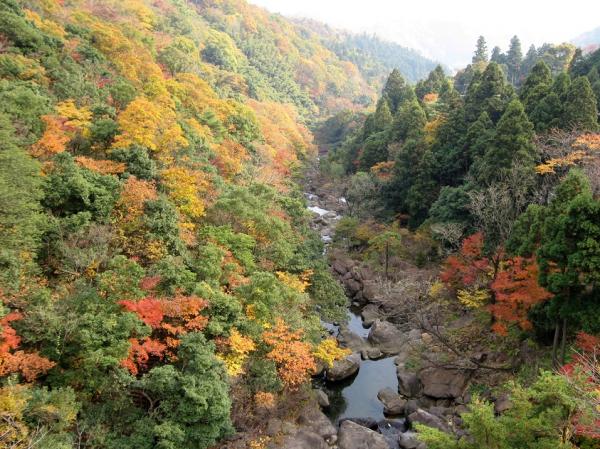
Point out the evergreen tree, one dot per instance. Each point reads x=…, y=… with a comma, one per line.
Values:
x=374, y=150
x=382, y=118
x=423, y=191
x=497, y=56
x=481, y=53
x=512, y=143
x=561, y=86
x=540, y=75
x=580, y=110
x=436, y=83
x=489, y=93
x=478, y=140
x=530, y=60
x=514, y=59
x=408, y=123
x=547, y=113
x=396, y=91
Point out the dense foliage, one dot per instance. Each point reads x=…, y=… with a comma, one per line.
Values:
x=157, y=267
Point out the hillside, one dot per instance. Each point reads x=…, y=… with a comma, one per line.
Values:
x=179, y=270
x=159, y=282
x=374, y=57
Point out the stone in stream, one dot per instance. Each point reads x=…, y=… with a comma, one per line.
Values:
x=409, y=440
x=409, y=384
x=303, y=439
x=322, y=398
x=369, y=314
x=442, y=383
x=314, y=420
x=422, y=417
x=354, y=436
x=348, y=339
x=344, y=368
x=387, y=337
x=393, y=403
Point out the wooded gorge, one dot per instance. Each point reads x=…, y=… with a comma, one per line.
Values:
x=163, y=284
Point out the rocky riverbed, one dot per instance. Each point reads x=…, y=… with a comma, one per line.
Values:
x=372, y=398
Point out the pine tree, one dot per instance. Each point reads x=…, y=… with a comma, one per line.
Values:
x=530, y=60
x=512, y=143
x=383, y=117
x=479, y=138
x=481, y=53
x=396, y=91
x=580, y=110
x=409, y=122
x=497, y=56
x=547, y=114
x=540, y=74
x=513, y=61
x=489, y=93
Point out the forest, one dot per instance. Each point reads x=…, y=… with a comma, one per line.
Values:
x=164, y=283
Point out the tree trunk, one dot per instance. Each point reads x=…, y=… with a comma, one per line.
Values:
x=563, y=344
x=555, y=344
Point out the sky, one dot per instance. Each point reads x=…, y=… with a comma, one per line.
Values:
x=446, y=30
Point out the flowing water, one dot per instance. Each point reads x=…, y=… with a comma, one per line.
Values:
x=356, y=397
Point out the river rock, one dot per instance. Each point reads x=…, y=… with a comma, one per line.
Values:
x=315, y=420
x=387, y=337
x=352, y=286
x=369, y=290
x=428, y=419
x=442, y=383
x=409, y=384
x=303, y=439
x=414, y=335
x=408, y=440
x=344, y=368
x=340, y=266
x=322, y=398
x=353, y=436
x=348, y=339
x=393, y=403
x=369, y=314
x=502, y=404
x=369, y=423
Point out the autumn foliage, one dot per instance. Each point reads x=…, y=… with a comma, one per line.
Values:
x=13, y=360
x=469, y=267
x=516, y=290
x=169, y=319
x=294, y=358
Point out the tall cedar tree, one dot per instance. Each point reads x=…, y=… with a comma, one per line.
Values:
x=580, y=106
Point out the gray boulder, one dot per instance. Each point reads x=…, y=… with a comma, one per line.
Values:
x=442, y=383
x=370, y=290
x=303, y=439
x=387, y=337
x=315, y=421
x=369, y=314
x=393, y=403
x=428, y=419
x=344, y=368
x=408, y=440
x=353, y=436
x=409, y=384
x=322, y=398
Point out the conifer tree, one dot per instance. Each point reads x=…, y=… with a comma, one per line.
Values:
x=408, y=122
x=580, y=110
x=514, y=58
x=497, y=56
x=396, y=91
x=540, y=75
x=512, y=143
x=481, y=53
x=488, y=93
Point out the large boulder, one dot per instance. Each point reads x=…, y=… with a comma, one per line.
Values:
x=442, y=383
x=422, y=417
x=393, y=403
x=369, y=314
x=409, y=440
x=348, y=339
x=303, y=439
x=344, y=368
x=352, y=286
x=409, y=384
x=353, y=436
x=387, y=337
x=370, y=290
x=314, y=420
